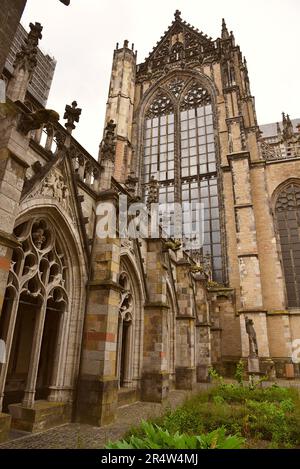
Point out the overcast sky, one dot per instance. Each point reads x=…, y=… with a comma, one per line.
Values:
x=83, y=35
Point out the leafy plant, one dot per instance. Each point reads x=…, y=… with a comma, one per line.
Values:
x=239, y=372
x=156, y=438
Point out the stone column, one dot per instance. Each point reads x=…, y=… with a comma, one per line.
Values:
x=203, y=326
x=185, y=369
x=29, y=395
x=57, y=392
x=98, y=383
x=155, y=377
x=13, y=147
x=8, y=342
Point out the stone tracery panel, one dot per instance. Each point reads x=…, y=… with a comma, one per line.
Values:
x=38, y=266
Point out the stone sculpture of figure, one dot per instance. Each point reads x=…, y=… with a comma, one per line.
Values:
x=108, y=145
x=253, y=349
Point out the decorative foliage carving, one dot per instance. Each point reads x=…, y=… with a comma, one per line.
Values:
x=196, y=96
x=162, y=104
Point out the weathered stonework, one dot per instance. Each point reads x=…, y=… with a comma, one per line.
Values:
x=133, y=318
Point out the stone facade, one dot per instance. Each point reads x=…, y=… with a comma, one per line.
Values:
x=90, y=321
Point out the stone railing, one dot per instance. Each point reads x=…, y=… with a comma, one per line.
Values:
x=281, y=151
x=87, y=169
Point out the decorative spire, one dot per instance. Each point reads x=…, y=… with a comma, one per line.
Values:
x=278, y=129
x=26, y=60
x=177, y=15
x=288, y=130
x=225, y=33
x=27, y=57
x=108, y=144
x=72, y=114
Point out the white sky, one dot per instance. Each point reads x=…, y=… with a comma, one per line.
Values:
x=82, y=38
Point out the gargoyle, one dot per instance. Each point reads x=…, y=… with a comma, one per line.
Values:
x=173, y=245
x=36, y=119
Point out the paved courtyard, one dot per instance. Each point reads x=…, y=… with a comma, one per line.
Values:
x=79, y=436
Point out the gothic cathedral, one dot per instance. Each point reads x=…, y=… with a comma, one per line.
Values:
x=89, y=322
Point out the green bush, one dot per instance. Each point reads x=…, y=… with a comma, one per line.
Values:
x=259, y=414
x=157, y=438
x=239, y=394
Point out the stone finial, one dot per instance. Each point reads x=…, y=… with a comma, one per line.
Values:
x=288, y=130
x=126, y=44
x=278, y=129
x=153, y=192
x=225, y=33
x=72, y=114
x=108, y=145
x=177, y=15
x=24, y=65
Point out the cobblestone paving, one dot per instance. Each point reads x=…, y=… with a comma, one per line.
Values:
x=79, y=436
x=75, y=435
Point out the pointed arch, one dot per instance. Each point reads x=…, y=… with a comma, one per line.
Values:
x=180, y=149
x=286, y=211
x=131, y=323
x=46, y=286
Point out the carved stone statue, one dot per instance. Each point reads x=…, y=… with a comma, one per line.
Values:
x=108, y=145
x=253, y=349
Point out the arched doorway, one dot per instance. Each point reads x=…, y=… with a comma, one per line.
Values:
x=130, y=328
x=34, y=315
x=287, y=215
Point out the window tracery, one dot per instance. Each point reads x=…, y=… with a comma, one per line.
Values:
x=287, y=213
x=179, y=140
x=162, y=104
x=38, y=267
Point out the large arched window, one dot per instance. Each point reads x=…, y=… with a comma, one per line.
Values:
x=287, y=212
x=179, y=151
